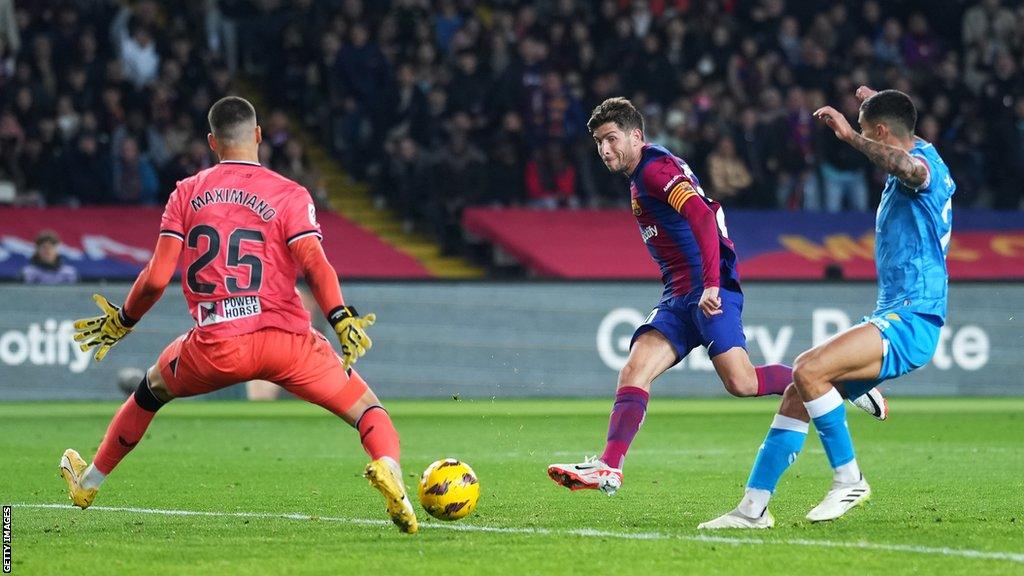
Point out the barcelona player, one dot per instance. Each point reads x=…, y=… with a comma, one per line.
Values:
x=912, y=233
x=245, y=232
x=701, y=305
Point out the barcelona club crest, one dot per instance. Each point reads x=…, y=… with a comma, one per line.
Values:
x=636, y=208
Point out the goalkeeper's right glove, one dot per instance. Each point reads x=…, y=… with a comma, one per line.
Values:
x=102, y=332
x=351, y=331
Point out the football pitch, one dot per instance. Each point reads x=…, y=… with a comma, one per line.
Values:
x=275, y=488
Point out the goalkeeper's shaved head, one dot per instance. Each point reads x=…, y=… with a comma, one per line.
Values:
x=232, y=120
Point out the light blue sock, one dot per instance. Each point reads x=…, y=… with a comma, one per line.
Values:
x=784, y=441
x=829, y=415
x=779, y=450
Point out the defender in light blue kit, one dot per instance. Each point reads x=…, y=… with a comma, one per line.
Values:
x=912, y=233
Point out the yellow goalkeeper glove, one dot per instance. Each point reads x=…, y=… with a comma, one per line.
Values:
x=351, y=331
x=102, y=332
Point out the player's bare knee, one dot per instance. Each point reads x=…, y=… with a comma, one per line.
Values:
x=805, y=370
x=157, y=385
x=630, y=376
x=740, y=386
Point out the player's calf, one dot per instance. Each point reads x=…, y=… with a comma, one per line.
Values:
x=743, y=379
x=123, y=434
x=739, y=386
x=127, y=428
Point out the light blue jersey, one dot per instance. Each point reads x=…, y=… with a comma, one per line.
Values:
x=912, y=232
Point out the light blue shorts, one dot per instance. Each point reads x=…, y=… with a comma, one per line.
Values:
x=909, y=340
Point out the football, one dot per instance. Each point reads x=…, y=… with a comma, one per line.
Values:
x=449, y=489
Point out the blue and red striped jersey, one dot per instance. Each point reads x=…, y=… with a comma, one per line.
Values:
x=684, y=230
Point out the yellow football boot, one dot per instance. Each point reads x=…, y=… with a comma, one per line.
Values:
x=388, y=481
x=72, y=467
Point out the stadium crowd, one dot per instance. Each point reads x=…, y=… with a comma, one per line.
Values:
x=442, y=104
x=104, y=102
x=448, y=103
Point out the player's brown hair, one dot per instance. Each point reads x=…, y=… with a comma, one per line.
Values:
x=618, y=110
x=894, y=108
x=231, y=119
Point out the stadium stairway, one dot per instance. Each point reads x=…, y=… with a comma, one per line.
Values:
x=354, y=200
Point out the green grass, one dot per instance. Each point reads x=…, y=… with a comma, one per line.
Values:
x=946, y=473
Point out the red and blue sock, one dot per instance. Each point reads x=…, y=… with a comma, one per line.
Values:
x=773, y=379
x=627, y=416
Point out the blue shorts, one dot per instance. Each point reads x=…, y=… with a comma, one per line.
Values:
x=909, y=340
x=686, y=327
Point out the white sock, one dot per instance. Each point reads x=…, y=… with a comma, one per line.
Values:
x=754, y=502
x=847, y=473
x=92, y=478
x=394, y=466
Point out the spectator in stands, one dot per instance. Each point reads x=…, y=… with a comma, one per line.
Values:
x=362, y=74
x=12, y=139
x=753, y=142
x=47, y=266
x=194, y=158
x=406, y=181
x=43, y=68
x=408, y=106
x=1009, y=160
x=292, y=163
x=134, y=178
x=139, y=56
x=10, y=38
x=729, y=176
x=921, y=49
x=40, y=165
x=888, y=46
x=562, y=115
x=844, y=170
x=87, y=171
x=460, y=176
x=469, y=87
x=366, y=74
x=798, y=184
x=505, y=173
x=988, y=23
x=550, y=179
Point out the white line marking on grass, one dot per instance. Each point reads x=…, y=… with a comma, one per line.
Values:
x=1017, y=557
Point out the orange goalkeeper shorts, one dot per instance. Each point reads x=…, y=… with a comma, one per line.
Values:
x=303, y=364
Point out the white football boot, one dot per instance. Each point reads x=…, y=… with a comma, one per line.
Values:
x=873, y=403
x=738, y=520
x=591, y=474
x=840, y=499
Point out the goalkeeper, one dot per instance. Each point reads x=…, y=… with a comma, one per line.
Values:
x=246, y=233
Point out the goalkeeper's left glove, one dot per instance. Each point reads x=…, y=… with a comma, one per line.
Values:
x=351, y=331
x=102, y=332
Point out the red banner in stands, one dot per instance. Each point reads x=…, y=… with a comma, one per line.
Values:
x=115, y=243
x=771, y=245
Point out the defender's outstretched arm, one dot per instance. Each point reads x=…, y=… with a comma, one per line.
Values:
x=891, y=159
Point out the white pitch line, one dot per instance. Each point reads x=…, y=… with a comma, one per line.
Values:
x=1017, y=557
